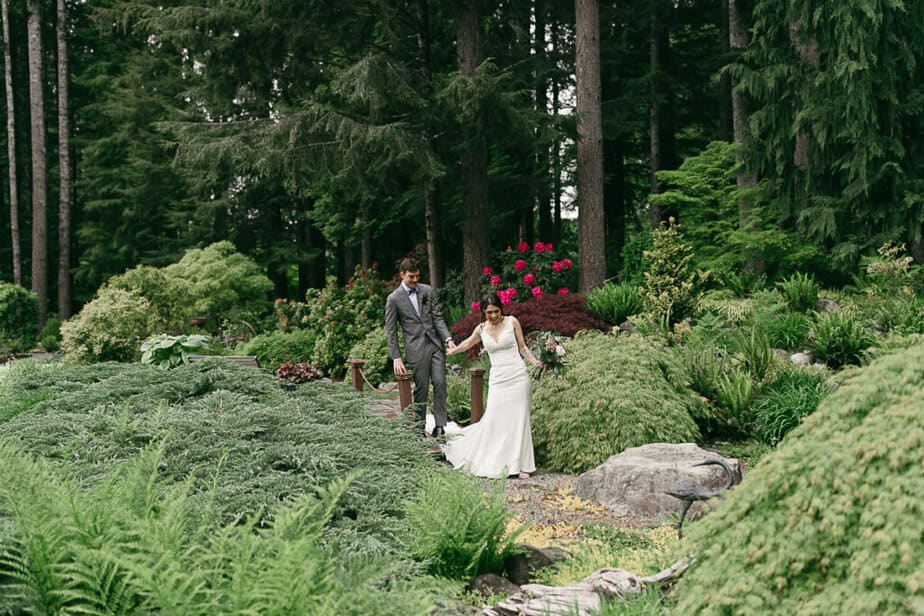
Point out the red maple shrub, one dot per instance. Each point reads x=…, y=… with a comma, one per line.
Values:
x=564, y=314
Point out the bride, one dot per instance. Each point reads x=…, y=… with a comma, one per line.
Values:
x=501, y=444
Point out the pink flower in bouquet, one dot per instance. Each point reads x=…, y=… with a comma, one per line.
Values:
x=539, y=247
x=523, y=247
x=476, y=306
x=563, y=291
x=529, y=279
x=486, y=270
x=495, y=281
x=557, y=266
x=537, y=291
x=519, y=265
x=566, y=263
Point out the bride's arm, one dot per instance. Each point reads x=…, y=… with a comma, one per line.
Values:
x=468, y=343
x=521, y=344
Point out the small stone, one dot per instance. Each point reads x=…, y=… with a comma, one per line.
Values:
x=490, y=584
x=801, y=359
x=626, y=327
x=827, y=305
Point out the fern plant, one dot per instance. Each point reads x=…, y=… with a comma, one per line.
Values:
x=800, y=291
x=838, y=339
x=614, y=302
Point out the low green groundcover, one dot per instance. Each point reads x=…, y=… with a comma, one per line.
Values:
x=617, y=392
x=830, y=523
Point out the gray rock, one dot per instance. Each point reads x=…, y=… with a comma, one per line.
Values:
x=634, y=482
x=780, y=353
x=626, y=327
x=801, y=359
x=827, y=305
x=521, y=566
x=490, y=584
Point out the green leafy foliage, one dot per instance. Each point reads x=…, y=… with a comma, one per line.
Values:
x=795, y=393
x=109, y=328
x=457, y=528
x=614, y=302
x=742, y=284
x=829, y=522
x=50, y=336
x=786, y=330
x=132, y=544
x=671, y=286
x=735, y=392
x=222, y=283
x=170, y=297
x=618, y=392
x=19, y=316
x=277, y=348
x=800, y=291
x=837, y=339
x=374, y=350
x=171, y=351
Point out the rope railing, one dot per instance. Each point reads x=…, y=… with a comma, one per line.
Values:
x=403, y=386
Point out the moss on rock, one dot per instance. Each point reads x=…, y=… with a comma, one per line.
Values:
x=830, y=523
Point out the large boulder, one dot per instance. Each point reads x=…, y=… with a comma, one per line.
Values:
x=634, y=482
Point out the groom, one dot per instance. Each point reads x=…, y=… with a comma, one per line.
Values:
x=413, y=306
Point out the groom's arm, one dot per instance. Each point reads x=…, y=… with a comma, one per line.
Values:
x=391, y=328
x=437, y=314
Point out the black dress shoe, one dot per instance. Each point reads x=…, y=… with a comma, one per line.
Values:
x=438, y=431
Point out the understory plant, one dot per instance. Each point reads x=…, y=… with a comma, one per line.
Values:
x=614, y=302
x=298, y=372
x=794, y=394
x=837, y=339
x=19, y=317
x=671, y=290
x=457, y=529
x=373, y=350
x=170, y=351
x=109, y=328
x=800, y=291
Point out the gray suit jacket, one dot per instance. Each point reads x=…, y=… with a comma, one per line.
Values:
x=417, y=330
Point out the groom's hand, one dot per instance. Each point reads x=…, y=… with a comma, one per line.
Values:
x=399, y=367
x=450, y=345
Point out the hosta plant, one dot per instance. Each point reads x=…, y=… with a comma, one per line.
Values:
x=170, y=351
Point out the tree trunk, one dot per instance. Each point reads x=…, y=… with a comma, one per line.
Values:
x=543, y=202
x=11, y=144
x=39, y=189
x=808, y=52
x=726, y=122
x=64, y=158
x=431, y=205
x=661, y=129
x=365, y=250
x=591, y=243
x=311, y=266
x=556, y=153
x=474, y=158
x=614, y=201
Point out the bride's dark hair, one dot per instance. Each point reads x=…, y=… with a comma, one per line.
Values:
x=490, y=299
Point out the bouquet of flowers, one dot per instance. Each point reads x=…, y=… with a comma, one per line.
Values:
x=548, y=349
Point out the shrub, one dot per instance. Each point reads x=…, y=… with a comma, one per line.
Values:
x=221, y=283
x=171, y=351
x=50, y=337
x=837, y=339
x=19, y=318
x=171, y=298
x=786, y=330
x=374, y=350
x=742, y=284
x=800, y=291
x=670, y=290
x=614, y=302
x=457, y=529
x=130, y=544
x=563, y=314
x=276, y=348
x=109, y=328
x=794, y=394
x=618, y=392
x=529, y=271
x=754, y=354
x=829, y=523
x=735, y=392
x=298, y=373
x=733, y=311
x=634, y=264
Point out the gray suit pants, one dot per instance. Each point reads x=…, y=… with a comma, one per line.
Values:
x=431, y=369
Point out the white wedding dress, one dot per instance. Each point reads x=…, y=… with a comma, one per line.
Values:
x=501, y=444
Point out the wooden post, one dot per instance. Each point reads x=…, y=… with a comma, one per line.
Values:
x=357, y=373
x=477, y=375
x=404, y=389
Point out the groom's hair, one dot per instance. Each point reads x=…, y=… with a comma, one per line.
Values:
x=408, y=264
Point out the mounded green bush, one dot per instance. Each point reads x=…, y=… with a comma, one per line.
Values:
x=374, y=350
x=830, y=523
x=170, y=297
x=19, y=317
x=278, y=348
x=617, y=392
x=110, y=328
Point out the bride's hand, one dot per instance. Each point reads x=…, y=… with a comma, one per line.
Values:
x=538, y=363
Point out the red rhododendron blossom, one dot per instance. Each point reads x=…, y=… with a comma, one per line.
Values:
x=566, y=263
x=539, y=247
x=548, y=248
x=557, y=266
x=486, y=270
x=523, y=247
x=563, y=291
x=519, y=265
x=476, y=306
x=537, y=292
x=495, y=281
x=529, y=279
